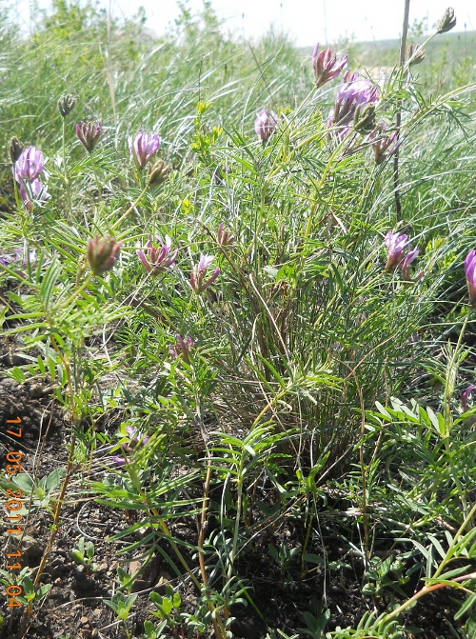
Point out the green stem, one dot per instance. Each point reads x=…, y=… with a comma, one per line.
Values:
x=130, y=209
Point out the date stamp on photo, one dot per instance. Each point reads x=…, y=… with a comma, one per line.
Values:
x=12, y=506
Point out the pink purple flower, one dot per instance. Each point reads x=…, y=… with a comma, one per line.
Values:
x=396, y=245
x=327, y=65
x=265, y=124
x=157, y=258
x=144, y=147
x=197, y=281
x=133, y=442
x=348, y=97
x=407, y=260
x=88, y=133
x=470, y=272
x=29, y=165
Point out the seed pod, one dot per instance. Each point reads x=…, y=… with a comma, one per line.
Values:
x=66, y=104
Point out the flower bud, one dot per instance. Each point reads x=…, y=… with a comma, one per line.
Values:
x=66, y=104
x=102, y=254
x=364, y=118
x=470, y=272
x=326, y=65
x=88, y=133
x=157, y=173
x=197, y=281
x=144, y=147
x=265, y=124
x=15, y=148
x=416, y=54
x=224, y=236
x=447, y=22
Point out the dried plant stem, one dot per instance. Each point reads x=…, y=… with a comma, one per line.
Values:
x=403, y=46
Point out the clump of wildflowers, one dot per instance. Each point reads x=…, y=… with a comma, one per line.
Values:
x=326, y=65
x=349, y=96
x=470, y=272
x=144, y=147
x=265, y=124
x=157, y=258
x=88, y=133
x=102, y=254
x=182, y=348
x=197, y=281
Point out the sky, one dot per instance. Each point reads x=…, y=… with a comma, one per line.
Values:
x=306, y=21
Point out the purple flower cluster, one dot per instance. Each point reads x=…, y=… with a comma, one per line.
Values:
x=396, y=258
x=144, y=147
x=326, y=65
x=27, y=170
x=356, y=92
x=182, y=348
x=157, y=258
x=265, y=124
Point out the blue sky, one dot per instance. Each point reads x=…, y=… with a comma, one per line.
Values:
x=307, y=21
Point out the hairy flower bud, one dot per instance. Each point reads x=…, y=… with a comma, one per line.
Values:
x=66, y=104
x=447, y=22
x=158, y=173
x=384, y=145
x=364, y=118
x=102, y=254
x=416, y=54
x=15, y=148
x=88, y=134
